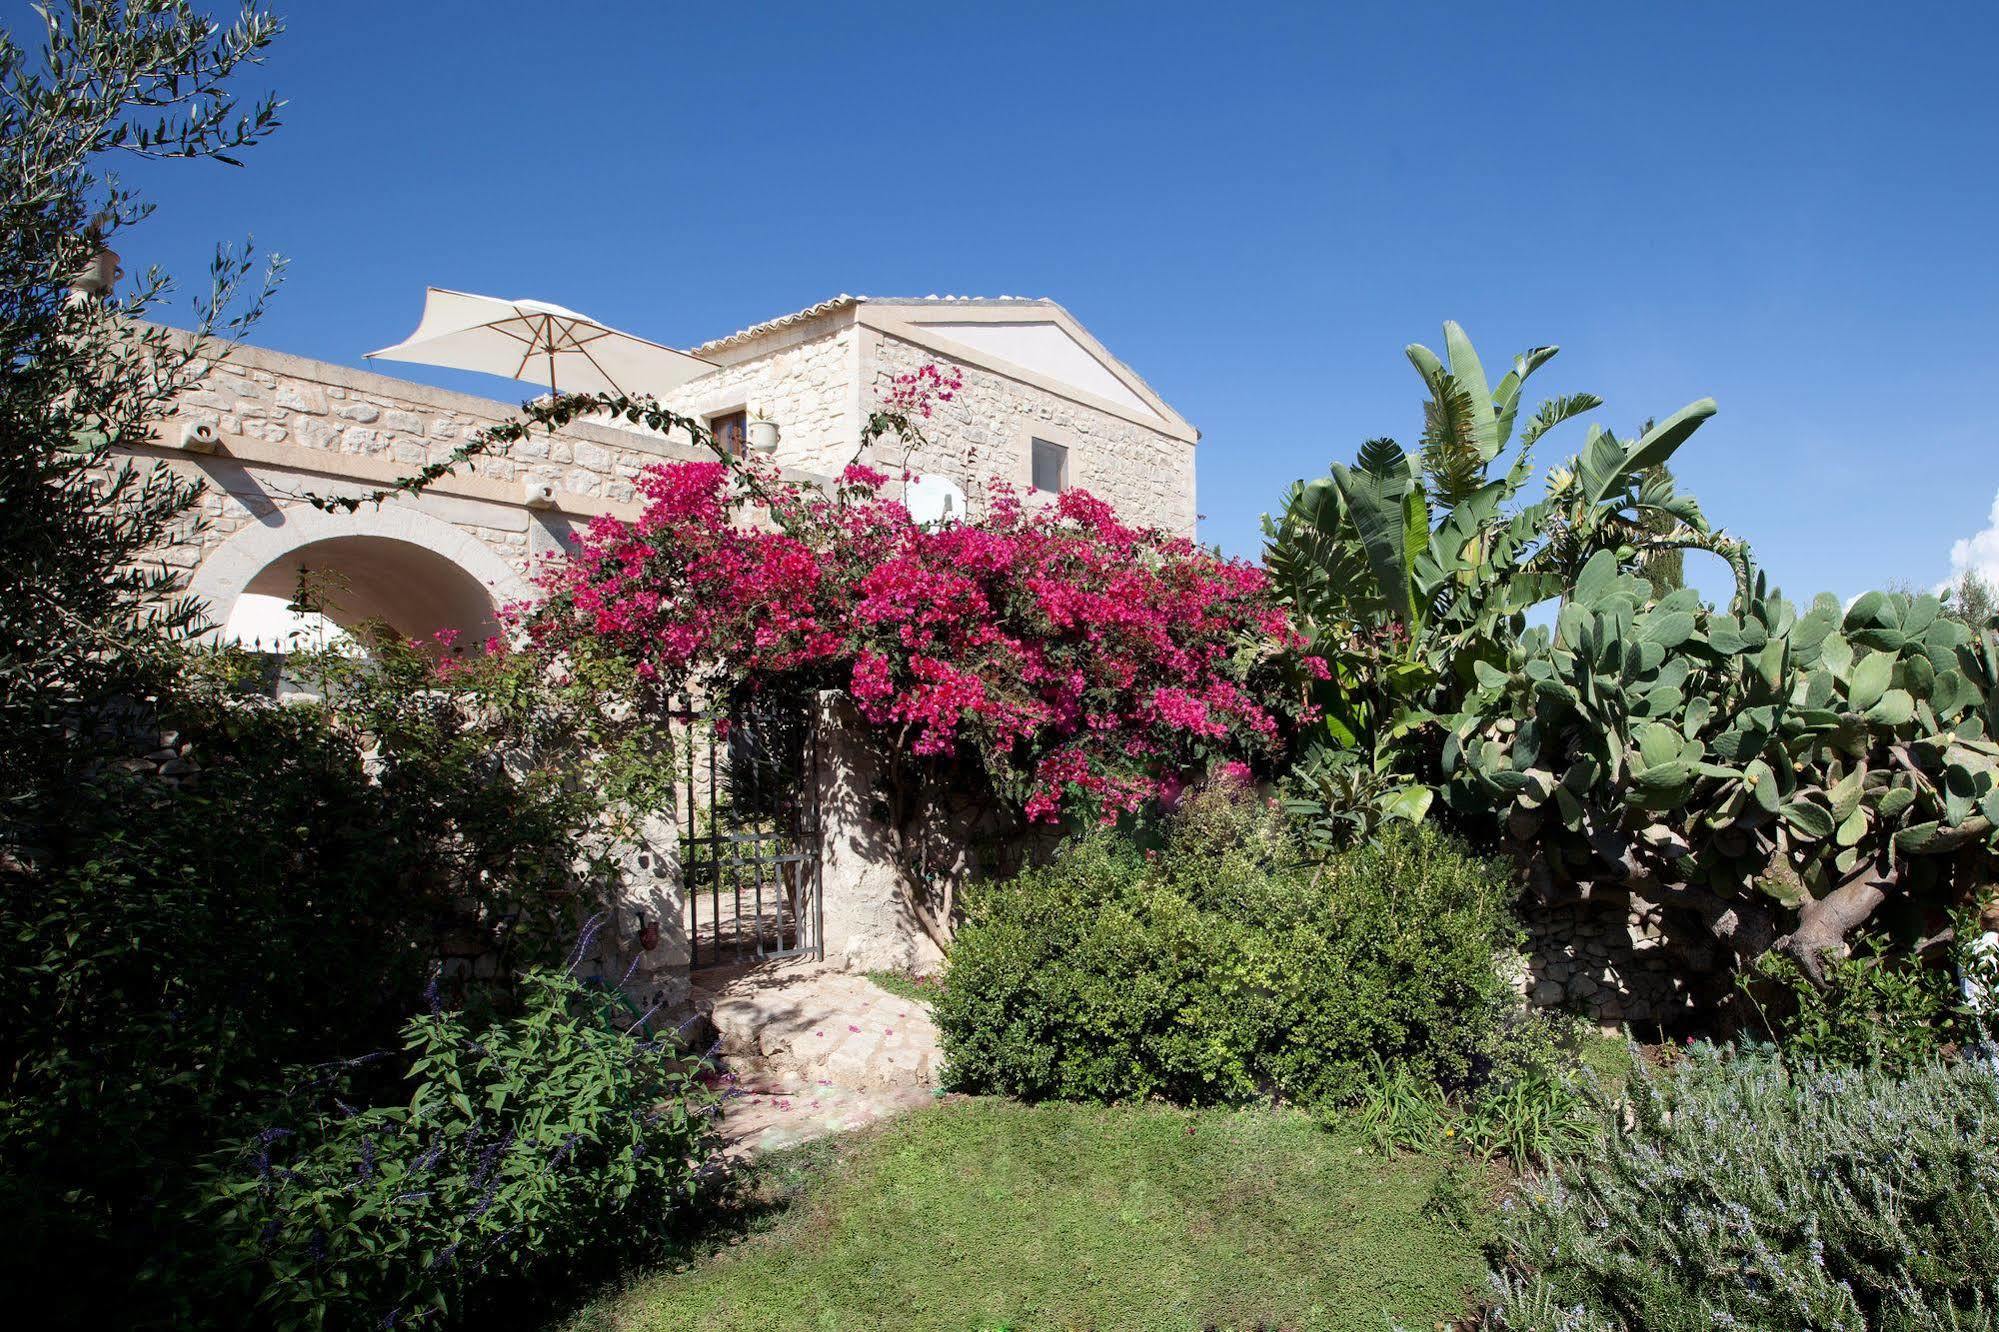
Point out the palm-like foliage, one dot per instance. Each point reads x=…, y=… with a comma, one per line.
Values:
x=1407, y=570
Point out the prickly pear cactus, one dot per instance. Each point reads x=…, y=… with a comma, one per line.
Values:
x=1790, y=772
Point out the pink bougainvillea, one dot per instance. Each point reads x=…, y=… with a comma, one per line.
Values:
x=916, y=393
x=1089, y=665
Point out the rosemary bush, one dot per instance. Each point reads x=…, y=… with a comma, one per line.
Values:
x=1737, y=1192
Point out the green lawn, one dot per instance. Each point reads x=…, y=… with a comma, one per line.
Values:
x=987, y=1214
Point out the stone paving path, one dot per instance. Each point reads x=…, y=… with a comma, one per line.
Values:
x=772, y=1118
x=813, y=1051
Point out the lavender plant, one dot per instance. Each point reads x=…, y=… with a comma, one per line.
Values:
x=529, y=1143
x=1739, y=1192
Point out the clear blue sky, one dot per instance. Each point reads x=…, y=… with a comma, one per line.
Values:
x=1788, y=207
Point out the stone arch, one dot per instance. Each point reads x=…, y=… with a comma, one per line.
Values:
x=390, y=563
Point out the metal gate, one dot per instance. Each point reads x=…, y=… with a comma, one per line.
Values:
x=749, y=844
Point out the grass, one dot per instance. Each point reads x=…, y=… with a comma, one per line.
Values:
x=990, y=1215
x=921, y=989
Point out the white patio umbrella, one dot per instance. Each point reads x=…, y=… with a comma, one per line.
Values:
x=541, y=344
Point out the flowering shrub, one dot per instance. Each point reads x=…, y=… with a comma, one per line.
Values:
x=527, y=1146
x=912, y=394
x=1087, y=665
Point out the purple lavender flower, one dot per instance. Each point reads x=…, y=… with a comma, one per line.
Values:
x=490, y=1158
x=585, y=941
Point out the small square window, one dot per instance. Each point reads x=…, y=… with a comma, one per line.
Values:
x=1051, y=467
x=731, y=431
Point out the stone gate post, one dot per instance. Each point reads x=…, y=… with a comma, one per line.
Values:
x=869, y=922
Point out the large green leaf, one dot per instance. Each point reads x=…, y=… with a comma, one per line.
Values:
x=1846, y=792
x=1506, y=394
x=1385, y=459
x=1409, y=803
x=1471, y=375
x=1452, y=454
x=1810, y=818
x=1895, y=801
x=1670, y=629
x=1866, y=611
x=1598, y=577
x=1657, y=744
x=1894, y=708
x=1871, y=675
x=1379, y=518
x=1654, y=448
x=1426, y=362
x=1555, y=411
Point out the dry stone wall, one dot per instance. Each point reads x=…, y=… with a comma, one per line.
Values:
x=1616, y=960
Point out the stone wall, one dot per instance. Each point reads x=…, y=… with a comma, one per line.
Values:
x=987, y=428
x=292, y=427
x=1618, y=961
x=642, y=947
x=804, y=379
x=869, y=924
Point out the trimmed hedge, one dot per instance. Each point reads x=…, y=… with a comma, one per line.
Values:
x=1223, y=966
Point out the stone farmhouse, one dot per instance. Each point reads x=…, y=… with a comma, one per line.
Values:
x=1043, y=405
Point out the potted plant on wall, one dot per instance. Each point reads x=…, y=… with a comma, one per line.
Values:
x=763, y=431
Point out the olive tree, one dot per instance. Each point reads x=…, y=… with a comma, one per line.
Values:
x=82, y=374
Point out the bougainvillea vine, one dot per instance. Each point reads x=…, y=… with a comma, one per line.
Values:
x=1090, y=666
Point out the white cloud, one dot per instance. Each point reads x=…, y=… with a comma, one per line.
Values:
x=1979, y=552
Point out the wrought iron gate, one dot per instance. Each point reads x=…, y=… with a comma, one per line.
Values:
x=749, y=844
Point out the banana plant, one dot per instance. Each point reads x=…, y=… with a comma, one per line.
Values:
x=1410, y=571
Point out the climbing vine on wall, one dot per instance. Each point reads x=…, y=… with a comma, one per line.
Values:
x=1085, y=665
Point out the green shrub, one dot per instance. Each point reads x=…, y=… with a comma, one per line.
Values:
x=1735, y=1191
x=1543, y=1074
x=1222, y=966
x=1879, y=1004
x=529, y=1145
x=169, y=952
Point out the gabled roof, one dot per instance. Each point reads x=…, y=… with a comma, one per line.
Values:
x=1026, y=337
